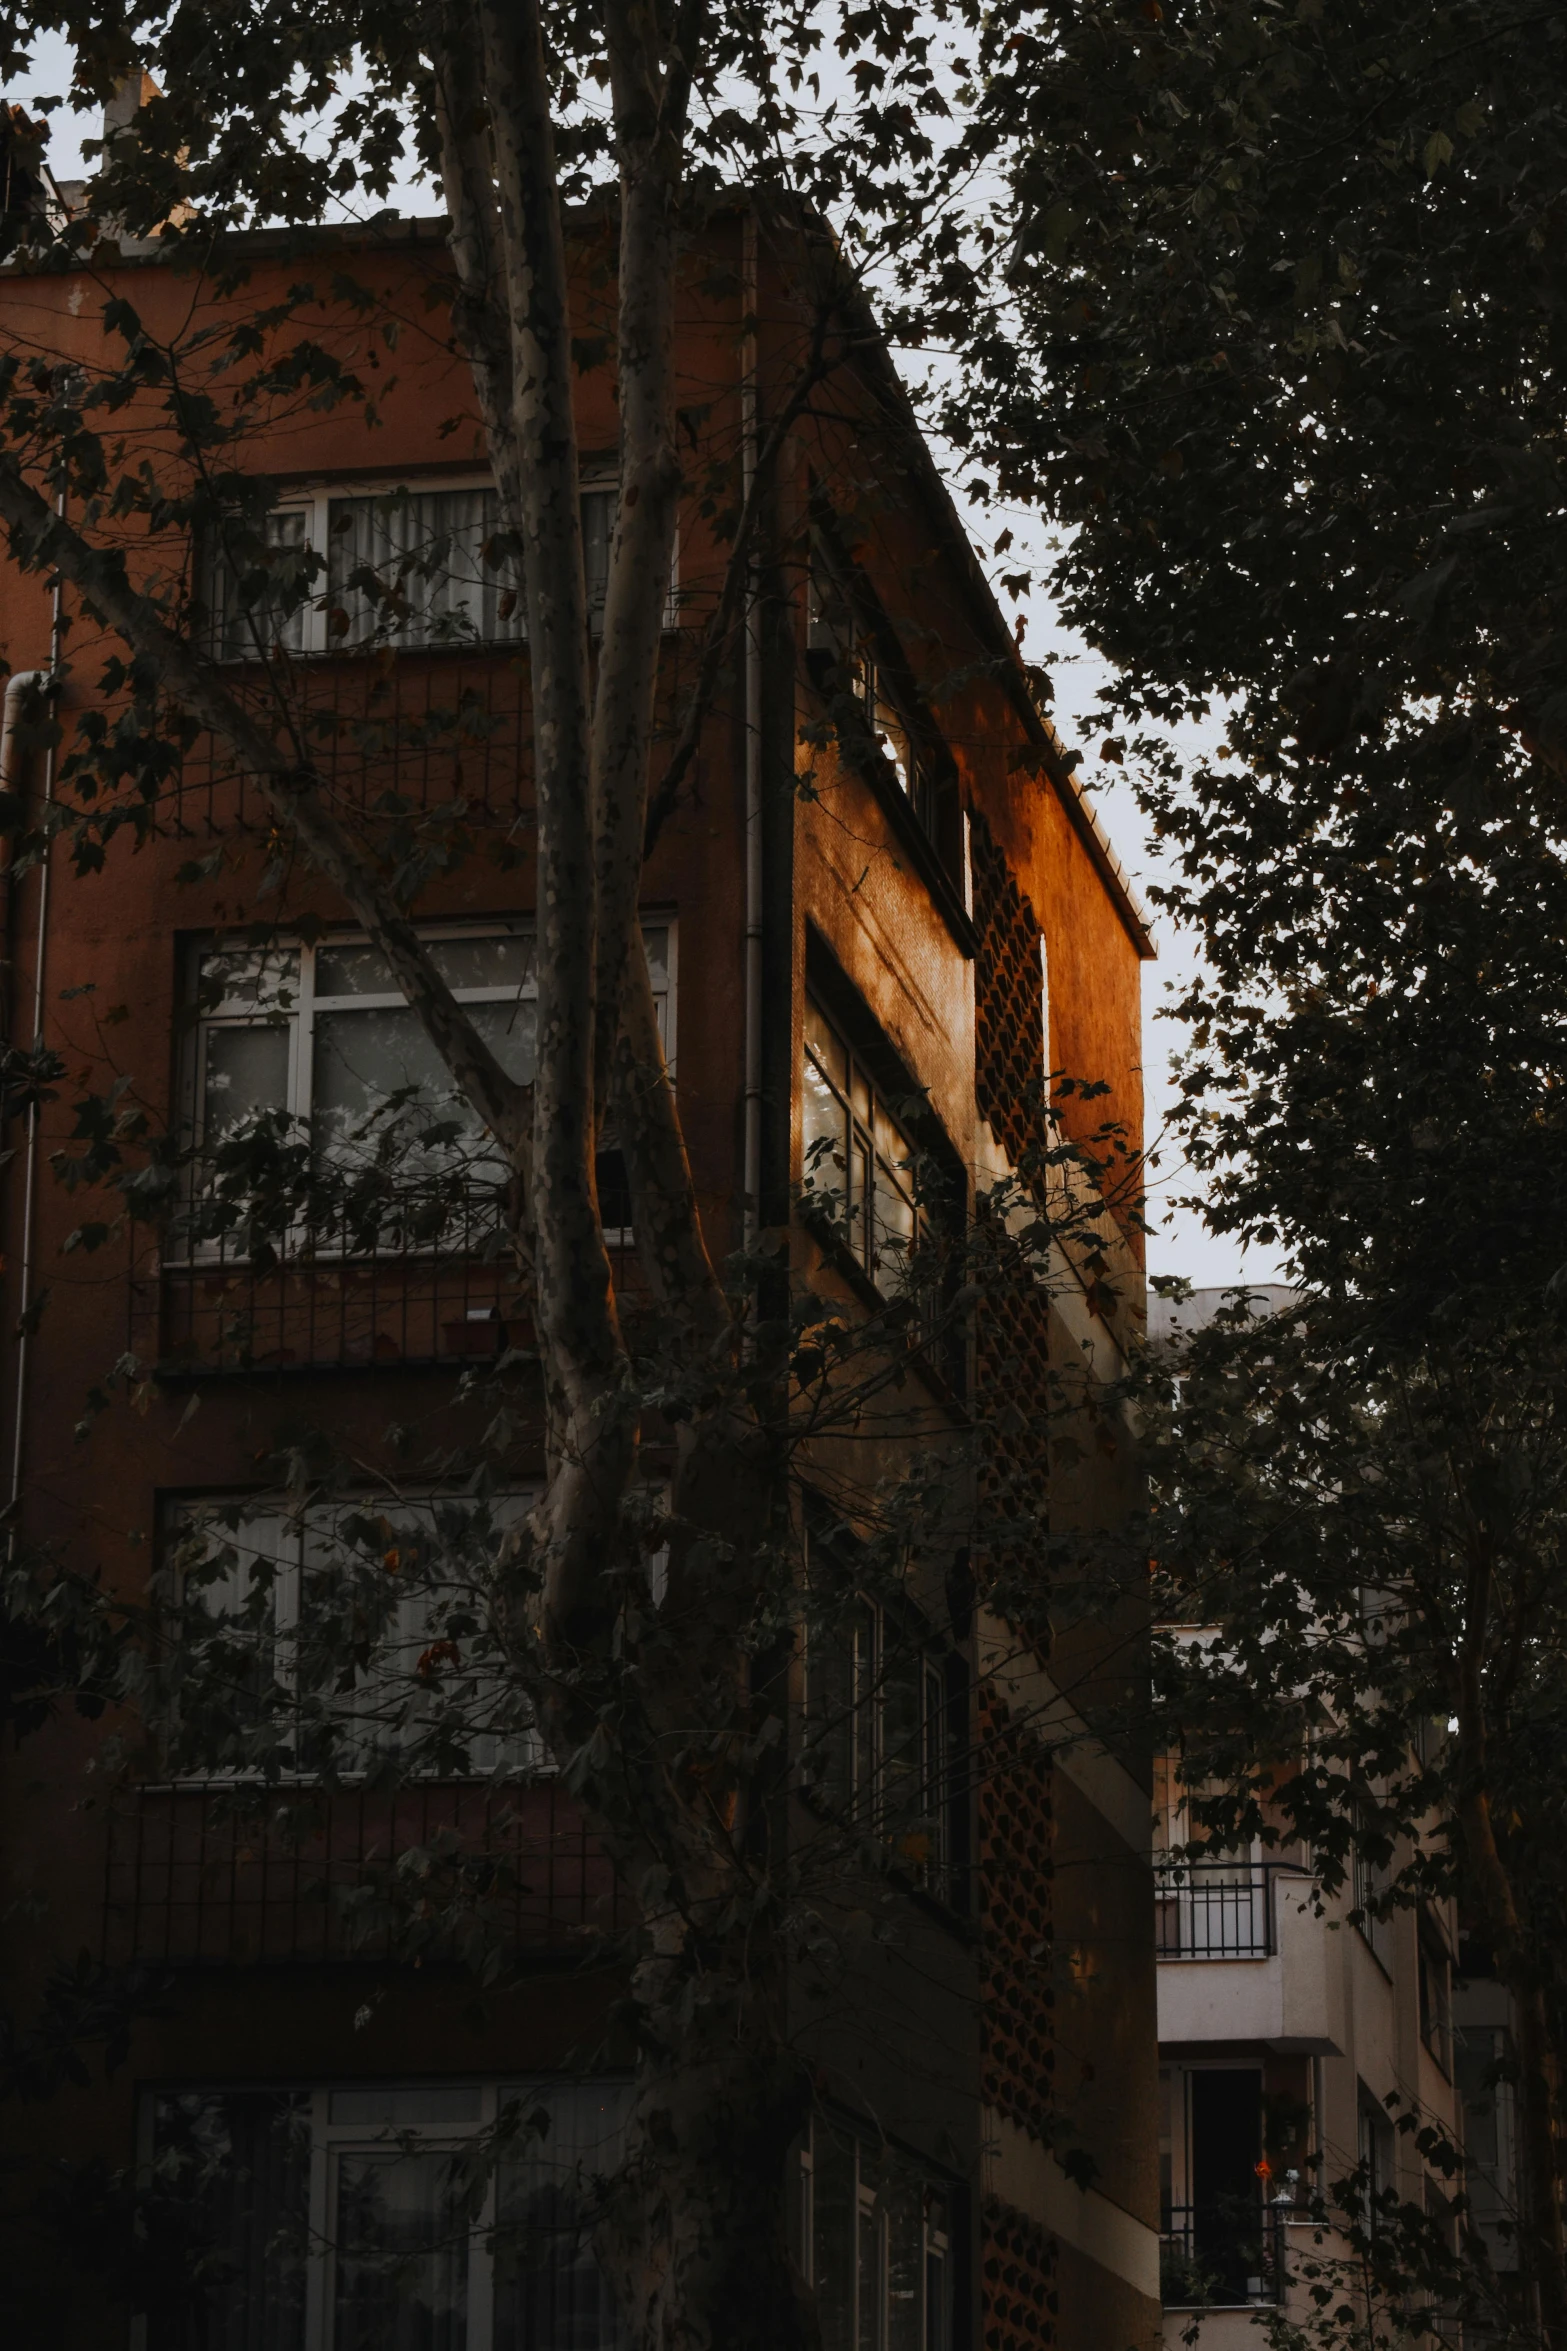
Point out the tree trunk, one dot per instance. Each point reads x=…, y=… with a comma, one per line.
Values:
x=696, y=2235
x=1539, y=2071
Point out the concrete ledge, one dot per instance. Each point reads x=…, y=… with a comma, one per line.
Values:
x=1026, y=2176
x=1037, y=1706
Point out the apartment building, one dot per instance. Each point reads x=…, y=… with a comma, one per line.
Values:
x=920, y=908
x=1289, y=2040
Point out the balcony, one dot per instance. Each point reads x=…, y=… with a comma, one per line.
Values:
x=219, y=1874
x=1244, y=1957
x=413, y=1298
x=1218, y=2257
x=1217, y=1909
x=419, y=729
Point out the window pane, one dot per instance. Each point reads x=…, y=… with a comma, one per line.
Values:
x=902, y=1794
x=829, y=1698
x=824, y=1136
x=503, y=960
x=261, y=599
x=238, y=1588
x=353, y=971
x=249, y=979
x=364, y=1058
x=244, y=1070
x=903, y=2200
x=893, y=1145
x=824, y=1043
x=867, y=1668
x=833, y=2251
x=860, y=1236
x=401, y=2255
x=234, y=2167
x=243, y=1570
x=511, y=1032
x=938, y=2326
x=409, y=569
x=614, y=1190
x=429, y=1573
x=895, y=1228
x=406, y=2109
x=892, y=737
x=872, y=2291
x=935, y=1773
x=655, y=941
x=497, y=960
x=598, y=524
x=799, y=2216
x=550, y=2294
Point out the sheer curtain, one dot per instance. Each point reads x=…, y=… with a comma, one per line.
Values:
x=419, y=568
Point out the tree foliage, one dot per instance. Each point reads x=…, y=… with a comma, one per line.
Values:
x=1292, y=288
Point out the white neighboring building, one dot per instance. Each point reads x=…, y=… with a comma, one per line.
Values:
x=1282, y=2033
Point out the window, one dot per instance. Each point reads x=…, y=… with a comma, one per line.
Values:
x=1219, y=2232
x=407, y=567
x=348, y=2219
x=1485, y=2069
x=1215, y=1905
x=873, y=701
x=322, y=1035
x=1371, y=1882
x=876, y=2230
x=882, y=1731
x=1375, y=2151
x=858, y=1162
x=1436, y=1997
x=399, y=1590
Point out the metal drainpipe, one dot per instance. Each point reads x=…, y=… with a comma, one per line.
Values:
x=49, y=679
x=752, y=1170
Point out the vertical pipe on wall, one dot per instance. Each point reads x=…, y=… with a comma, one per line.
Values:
x=49, y=681
x=751, y=1178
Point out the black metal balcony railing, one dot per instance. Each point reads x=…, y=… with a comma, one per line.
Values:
x=1218, y=1909
x=409, y=1297
x=197, y=1874
x=436, y=728
x=1226, y=2255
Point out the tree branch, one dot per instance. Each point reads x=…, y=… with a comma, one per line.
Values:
x=650, y=101
x=577, y=1321
x=590, y=1437
x=725, y=614
x=479, y=314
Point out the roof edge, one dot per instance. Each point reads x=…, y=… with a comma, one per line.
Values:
x=1135, y=919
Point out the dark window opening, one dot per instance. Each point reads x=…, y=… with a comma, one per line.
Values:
x=1220, y=2231
x=878, y=714
x=885, y=1728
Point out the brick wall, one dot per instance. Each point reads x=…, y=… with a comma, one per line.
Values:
x=1009, y=1038
x=1014, y=1391
x=1012, y=1336
x=1017, y=2280
x=1018, y=2003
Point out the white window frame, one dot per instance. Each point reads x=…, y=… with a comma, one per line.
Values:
x=314, y=500
x=301, y=1020
x=255, y=1511
x=865, y=1739
x=834, y=627
x=858, y=1227
x=871, y=2330
x=329, y=2140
